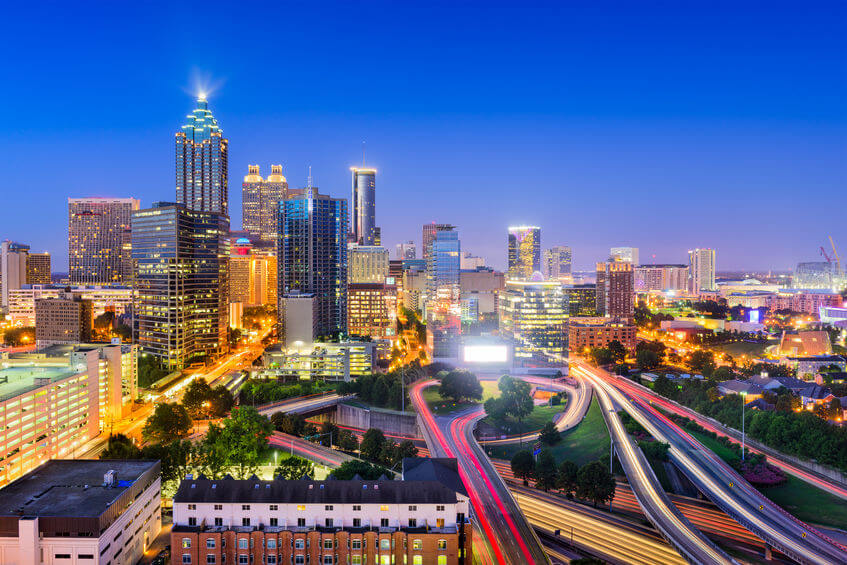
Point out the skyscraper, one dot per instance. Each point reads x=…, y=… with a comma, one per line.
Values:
x=615, y=289
x=99, y=240
x=260, y=204
x=443, y=306
x=701, y=270
x=629, y=254
x=366, y=264
x=524, y=252
x=201, y=163
x=181, y=283
x=38, y=268
x=312, y=256
x=557, y=263
x=12, y=268
x=534, y=318
x=364, y=206
x=406, y=250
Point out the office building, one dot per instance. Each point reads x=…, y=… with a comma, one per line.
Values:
x=442, y=302
x=661, y=278
x=12, y=268
x=357, y=522
x=319, y=361
x=583, y=335
x=65, y=395
x=64, y=319
x=483, y=285
x=181, y=285
x=615, y=289
x=533, y=318
x=366, y=264
x=406, y=250
x=38, y=268
x=628, y=254
x=312, y=255
x=414, y=288
x=260, y=204
x=81, y=511
x=582, y=300
x=371, y=309
x=201, y=163
x=252, y=274
x=557, y=263
x=469, y=262
x=115, y=299
x=99, y=240
x=363, y=203
x=298, y=318
x=524, y=252
x=701, y=270
x=428, y=235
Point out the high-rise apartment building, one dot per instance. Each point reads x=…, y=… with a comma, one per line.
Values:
x=534, y=317
x=661, y=278
x=582, y=300
x=260, y=204
x=38, y=268
x=65, y=319
x=629, y=254
x=524, y=252
x=201, y=163
x=701, y=270
x=366, y=264
x=371, y=309
x=99, y=240
x=406, y=250
x=312, y=255
x=615, y=289
x=181, y=283
x=363, y=202
x=252, y=274
x=557, y=263
x=12, y=268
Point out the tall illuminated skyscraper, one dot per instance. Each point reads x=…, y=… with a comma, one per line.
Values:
x=534, y=318
x=260, y=203
x=524, y=252
x=364, y=206
x=701, y=270
x=312, y=256
x=615, y=289
x=99, y=240
x=443, y=306
x=201, y=163
x=557, y=263
x=181, y=283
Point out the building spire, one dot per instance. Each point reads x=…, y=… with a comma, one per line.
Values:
x=309, y=180
x=363, y=154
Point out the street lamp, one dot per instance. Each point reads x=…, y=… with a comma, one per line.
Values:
x=743, y=402
x=206, y=404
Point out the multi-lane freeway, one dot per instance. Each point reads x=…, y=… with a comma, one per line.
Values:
x=718, y=481
x=302, y=404
x=505, y=535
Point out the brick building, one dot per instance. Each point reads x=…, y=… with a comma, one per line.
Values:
x=598, y=332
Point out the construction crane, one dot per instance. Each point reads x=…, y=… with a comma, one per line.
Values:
x=835, y=252
x=825, y=256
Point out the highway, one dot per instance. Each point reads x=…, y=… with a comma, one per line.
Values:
x=301, y=404
x=505, y=535
x=721, y=484
x=308, y=450
x=676, y=528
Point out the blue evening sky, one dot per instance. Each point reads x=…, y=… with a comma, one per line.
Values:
x=662, y=125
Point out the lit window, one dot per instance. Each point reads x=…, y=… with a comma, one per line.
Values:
x=383, y=508
x=442, y=544
x=186, y=543
x=417, y=544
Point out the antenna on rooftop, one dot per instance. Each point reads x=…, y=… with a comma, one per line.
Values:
x=309, y=180
x=363, y=154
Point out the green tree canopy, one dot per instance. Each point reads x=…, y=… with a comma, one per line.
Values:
x=240, y=441
x=460, y=385
x=368, y=471
x=566, y=477
x=373, y=443
x=168, y=421
x=618, y=351
x=594, y=482
x=545, y=472
x=549, y=434
x=294, y=469
x=523, y=465
x=120, y=446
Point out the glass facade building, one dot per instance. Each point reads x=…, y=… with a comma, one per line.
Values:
x=524, y=252
x=364, y=207
x=260, y=204
x=201, y=163
x=534, y=318
x=557, y=263
x=181, y=283
x=443, y=306
x=99, y=240
x=312, y=256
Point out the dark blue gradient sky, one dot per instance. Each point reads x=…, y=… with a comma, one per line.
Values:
x=664, y=125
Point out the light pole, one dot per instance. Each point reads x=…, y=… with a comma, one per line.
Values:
x=743, y=402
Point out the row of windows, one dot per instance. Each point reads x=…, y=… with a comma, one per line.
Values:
x=301, y=559
x=328, y=543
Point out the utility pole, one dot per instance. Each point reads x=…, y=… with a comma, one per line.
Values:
x=743, y=402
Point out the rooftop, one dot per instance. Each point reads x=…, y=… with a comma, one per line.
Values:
x=17, y=380
x=315, y=492
x=65, y=487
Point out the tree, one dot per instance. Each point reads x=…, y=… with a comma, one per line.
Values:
x=601, y=356
x=168, y=421
x=221, y=402
x=372, y=444
x=120, y=447
x=657, y=450
x=460, y=385
x=594, y=482
x=646, y=359
x=292, y=424
x=150, y=370
x=723, y=373
x=702, y=361
x=196, y=395
x=523, y=465
x=241, y=439
x=347, y=441
x=545, y=470
x=294, y=469
x=664, y=387
x=367, y=471
x=549, y=434
x=617, y=350
x=495, y=408
x=175, y=458
x=395, y=453
x=379, y=394
x=566, y=477
x=19, y=336
x=516, y=397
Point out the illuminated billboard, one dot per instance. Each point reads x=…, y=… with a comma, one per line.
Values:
x=485, y=354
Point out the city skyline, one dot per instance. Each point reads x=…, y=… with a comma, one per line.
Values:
x=685, y=126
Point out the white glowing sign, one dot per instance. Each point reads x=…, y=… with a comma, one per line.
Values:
x=486, y=354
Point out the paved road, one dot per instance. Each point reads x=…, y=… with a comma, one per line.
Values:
x=677, y=529
x=505, y=535
x=302, y=404
x=726, y=488
x=308, y=450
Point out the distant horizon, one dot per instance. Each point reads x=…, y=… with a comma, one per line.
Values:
x=662, y=127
